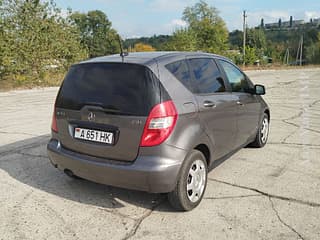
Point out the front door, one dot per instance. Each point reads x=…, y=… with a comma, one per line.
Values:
x=217, y=105
x=248, y=104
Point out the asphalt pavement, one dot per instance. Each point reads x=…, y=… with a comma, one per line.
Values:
x=268, y=193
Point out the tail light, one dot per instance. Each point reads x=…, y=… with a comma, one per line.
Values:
x=54, y=126
x=159, y=125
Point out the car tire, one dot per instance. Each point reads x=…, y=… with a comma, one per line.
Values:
x=262, y=134
x=191, y=183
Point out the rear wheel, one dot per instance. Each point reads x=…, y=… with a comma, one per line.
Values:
x=263, y=133
x=191, y=184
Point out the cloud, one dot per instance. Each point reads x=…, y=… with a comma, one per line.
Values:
x=173, y=25
x=169, y=28
x=311, y=14
x=169, y=5
x=177, y=23
x=64, y=13
x=132, y=36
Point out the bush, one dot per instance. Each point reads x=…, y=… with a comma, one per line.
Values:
x=35, y=39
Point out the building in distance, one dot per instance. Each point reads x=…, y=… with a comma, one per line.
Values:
x=290, y=25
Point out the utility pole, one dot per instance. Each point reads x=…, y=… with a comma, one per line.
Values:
x=286, y=57
x=301, y=50
x=244, y=37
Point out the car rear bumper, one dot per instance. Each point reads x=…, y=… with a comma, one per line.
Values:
x=147, y=173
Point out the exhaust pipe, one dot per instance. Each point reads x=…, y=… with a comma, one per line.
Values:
x=69, y=173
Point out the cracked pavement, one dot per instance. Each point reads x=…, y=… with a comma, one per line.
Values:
x=269, y=193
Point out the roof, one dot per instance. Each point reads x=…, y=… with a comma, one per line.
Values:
x=146, y=58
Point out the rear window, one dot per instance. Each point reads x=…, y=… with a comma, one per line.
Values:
x=181, y=71
x=127, y=89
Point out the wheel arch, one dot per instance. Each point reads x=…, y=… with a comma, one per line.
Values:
x=204, y=149
x=267, y=111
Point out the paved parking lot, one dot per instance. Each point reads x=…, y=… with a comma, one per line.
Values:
x=269, y=193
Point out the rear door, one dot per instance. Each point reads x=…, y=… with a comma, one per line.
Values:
x=248, y=104
x=108, y=100
x=217, y=108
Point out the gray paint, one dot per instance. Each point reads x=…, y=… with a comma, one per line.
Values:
x=222, y=129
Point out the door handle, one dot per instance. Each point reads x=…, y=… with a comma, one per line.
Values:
x=240, y=103
x=209, y=104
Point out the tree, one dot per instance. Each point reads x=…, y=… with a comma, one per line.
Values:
x=256, y=39
x=97, y=34
x=206, y=31
x=2, y=39
x=36, y=37
x=182, y=40
x=313, y=51
x=276, y=51
x=250, y=56
x=156, y=41
x=236, y=39
x=208, y=27
x=141, y=47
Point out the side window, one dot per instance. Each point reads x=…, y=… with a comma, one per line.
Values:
x=236, y=78
x=181, y=71
x=207, y=76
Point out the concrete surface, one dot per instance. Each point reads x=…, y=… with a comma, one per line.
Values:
x=269, y=193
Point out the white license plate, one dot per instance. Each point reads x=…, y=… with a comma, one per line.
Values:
x=94, y=135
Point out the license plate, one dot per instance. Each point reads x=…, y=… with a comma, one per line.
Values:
x=94, y=135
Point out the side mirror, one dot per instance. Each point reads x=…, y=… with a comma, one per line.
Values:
x=259, y=89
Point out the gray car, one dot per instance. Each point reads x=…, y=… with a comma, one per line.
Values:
x=155, y=121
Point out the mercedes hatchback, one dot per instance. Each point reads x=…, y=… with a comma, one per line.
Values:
x=155, y=121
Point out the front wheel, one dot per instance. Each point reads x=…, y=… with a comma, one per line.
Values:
x=191, y=184
x=263, y=133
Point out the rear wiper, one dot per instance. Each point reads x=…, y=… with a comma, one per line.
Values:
x=110, y=110
x=106, y=110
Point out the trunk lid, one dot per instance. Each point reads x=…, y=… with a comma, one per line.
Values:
x=111, y=98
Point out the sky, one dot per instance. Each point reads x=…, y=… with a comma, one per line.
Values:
x=138, y=18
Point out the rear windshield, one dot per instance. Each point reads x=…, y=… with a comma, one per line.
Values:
x=126, y=89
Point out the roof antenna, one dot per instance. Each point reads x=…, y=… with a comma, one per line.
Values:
x=122, y=53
